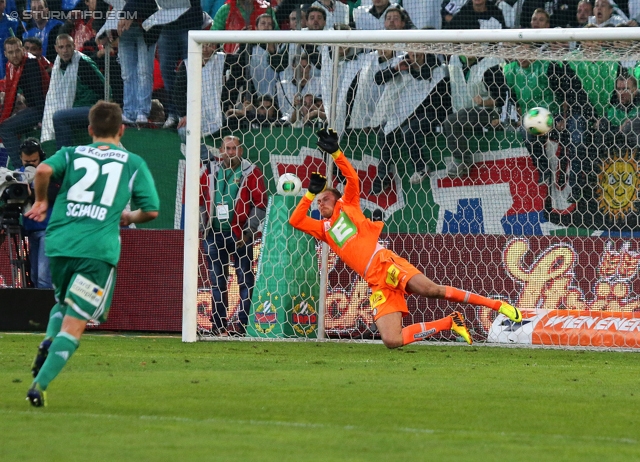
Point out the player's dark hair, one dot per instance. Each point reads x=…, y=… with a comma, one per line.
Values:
x=337, y=194
x=31, y=146
x=105, y=119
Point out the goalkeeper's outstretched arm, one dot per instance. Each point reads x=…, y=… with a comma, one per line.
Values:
x=303, y=222
x=328, y=143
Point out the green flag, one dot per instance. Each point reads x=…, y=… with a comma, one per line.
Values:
x=285, y=297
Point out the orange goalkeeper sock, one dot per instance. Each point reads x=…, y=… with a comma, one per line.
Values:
x=422, y=330
x=462, y=296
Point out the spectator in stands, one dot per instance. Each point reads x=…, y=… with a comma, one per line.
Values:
x=33, y=45
x=562, y=13
x=478, y=14
x=448, y=9
x=293, y=19
x=281, y=61
x=136, y=52
x=556, y=87
x=172, y=46
x=583, y=12
x=415, y=101
x=478, y=93
x=336, y=12
x=212, y=82
x=633, y=13
x=368, y=92
x=76, y=85
x=316, y=20
x=235, y=200
x=316, y=114
x=603, y=15
x=211, y=7
x=263, y=76
x=302, y=105
x=261, y=112
x=45, y=29
x=80, y=22
x=622, y=122
x=374, y=17
x=97, y=50
x=8, y=28
x=346, y=80
x=302, y=83
x=540, y=19
x=28, y=78
x=238, y=15
x=31, y=154
x=424, y=13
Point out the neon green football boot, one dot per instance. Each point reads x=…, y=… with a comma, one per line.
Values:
x=510, y=312
x=459, y=327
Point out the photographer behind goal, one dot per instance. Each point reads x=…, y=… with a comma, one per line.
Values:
x=31, y=154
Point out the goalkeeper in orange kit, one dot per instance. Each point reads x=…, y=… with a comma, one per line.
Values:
x=354, y=238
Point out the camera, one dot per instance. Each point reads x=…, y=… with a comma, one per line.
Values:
x=14, y=186
x=14, y=194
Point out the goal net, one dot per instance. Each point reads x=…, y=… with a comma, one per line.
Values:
x=476, y=189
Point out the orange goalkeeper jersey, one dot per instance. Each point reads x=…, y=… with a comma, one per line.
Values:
x=351, y=235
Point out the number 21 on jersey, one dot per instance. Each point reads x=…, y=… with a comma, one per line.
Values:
x=79, y=191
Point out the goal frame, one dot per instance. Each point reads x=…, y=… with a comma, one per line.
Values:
x=194, y=107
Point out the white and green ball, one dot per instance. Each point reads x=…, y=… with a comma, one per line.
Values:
x=289, y=185
x=538, y=121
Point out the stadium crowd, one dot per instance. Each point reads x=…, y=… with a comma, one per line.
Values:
x=58, y=71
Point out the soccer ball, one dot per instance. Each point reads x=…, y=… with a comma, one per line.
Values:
x=289, y=184
x=538, y=121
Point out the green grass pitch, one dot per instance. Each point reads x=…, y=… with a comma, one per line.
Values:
x=125, y=398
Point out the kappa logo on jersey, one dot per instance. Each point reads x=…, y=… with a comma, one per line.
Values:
x=87, y=290
x=392, y=276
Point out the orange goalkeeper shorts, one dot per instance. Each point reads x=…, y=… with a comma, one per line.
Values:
x=387, y=277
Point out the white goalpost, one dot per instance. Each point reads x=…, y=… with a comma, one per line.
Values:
x=504, y=229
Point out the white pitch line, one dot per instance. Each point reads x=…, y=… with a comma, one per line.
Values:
x=281, y=423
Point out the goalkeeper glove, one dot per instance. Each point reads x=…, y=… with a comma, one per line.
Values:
x=328, y=141
x=317, y=184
